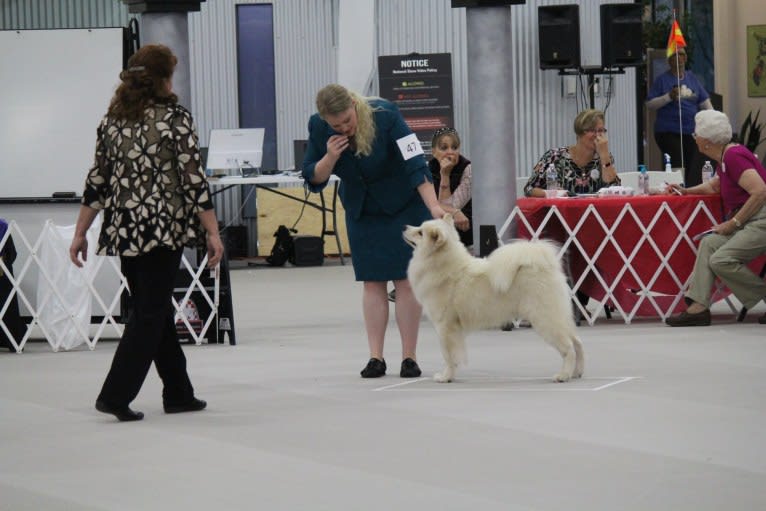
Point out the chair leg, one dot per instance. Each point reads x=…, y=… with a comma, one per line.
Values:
x=577, y=313
x=742, y=314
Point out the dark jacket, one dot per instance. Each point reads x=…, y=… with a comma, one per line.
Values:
x=384, y=175
x=454, y=181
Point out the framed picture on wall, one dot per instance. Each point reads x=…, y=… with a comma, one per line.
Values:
x=756, y=60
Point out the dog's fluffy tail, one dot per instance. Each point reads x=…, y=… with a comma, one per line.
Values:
x=541, y=254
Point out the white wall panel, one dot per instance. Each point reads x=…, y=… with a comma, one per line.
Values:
x=428, y=26
x=543, y=117
x=46, y=14
x=304, y=36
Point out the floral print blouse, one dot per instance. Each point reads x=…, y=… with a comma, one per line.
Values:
x=147, y=178
x=571, y=177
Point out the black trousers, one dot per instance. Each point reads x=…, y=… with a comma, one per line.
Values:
x=671, y=143
x=150, y=333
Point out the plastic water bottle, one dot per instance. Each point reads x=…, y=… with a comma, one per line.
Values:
x=668, y=168
x=551, y=181
x=643, y=180
x=707, y=171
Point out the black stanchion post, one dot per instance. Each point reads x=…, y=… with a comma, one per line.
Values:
x=225, y=307
x=487, y=240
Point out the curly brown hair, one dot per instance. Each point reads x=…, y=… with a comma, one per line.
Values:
x=143, y=82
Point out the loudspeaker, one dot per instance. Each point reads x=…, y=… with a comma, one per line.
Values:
x=621, y=30
x=485, y=3
x=308, y=251
x=559, y=36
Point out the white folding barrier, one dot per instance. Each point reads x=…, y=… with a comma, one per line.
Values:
x=575, y=232
x=59, y=309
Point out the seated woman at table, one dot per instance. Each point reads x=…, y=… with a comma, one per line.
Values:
x=741, y=180
x=585, y=167
x=451, y=172
x=452, y=179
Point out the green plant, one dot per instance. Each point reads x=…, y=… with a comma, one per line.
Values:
x=750, y=133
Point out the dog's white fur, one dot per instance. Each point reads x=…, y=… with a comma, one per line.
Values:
x=461, y=293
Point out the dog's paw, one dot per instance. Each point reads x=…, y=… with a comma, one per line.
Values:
x=577, y=374
x=561, y=377
x=444, y=376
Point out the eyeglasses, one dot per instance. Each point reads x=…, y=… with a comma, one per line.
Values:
x=597, y=132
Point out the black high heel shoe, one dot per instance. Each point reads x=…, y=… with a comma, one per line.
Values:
x=123, y=413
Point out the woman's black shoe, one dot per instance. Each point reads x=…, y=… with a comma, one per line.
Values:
x=686, y=319
x=410, y=369
x=123, y=413
x=375, y=368
x=195, y=405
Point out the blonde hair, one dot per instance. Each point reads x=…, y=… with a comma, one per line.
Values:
x=587, y=120
x=334, y=99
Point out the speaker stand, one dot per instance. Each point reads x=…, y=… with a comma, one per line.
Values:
x=591, y=72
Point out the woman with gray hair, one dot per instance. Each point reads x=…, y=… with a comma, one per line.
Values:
x=741, y=180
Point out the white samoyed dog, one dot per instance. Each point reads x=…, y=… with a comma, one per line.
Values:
x=461, y=293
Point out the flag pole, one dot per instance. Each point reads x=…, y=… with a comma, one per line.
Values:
x=678, y=82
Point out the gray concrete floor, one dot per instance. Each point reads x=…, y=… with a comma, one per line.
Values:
x=665, y=419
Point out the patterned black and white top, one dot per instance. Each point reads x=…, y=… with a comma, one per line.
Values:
x=147, y=178
x=571, y=177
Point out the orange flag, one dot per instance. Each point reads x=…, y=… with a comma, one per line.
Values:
x=676, y=39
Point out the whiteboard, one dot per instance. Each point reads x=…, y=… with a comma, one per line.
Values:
x=55, y=87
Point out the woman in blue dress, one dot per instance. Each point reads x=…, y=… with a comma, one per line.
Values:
x=385, y=185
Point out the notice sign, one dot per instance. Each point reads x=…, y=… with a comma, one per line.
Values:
x=421, y=86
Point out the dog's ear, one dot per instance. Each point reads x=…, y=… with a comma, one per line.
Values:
x=437, y=237
x=449, y=219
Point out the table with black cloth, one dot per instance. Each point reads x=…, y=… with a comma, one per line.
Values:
x=634, y=254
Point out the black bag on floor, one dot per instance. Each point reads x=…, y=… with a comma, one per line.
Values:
x=307, y=251
x=283, y=249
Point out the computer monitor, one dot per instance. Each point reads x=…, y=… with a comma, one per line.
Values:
x=239, y=150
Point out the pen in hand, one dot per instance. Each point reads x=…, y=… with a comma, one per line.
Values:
x=673, y=189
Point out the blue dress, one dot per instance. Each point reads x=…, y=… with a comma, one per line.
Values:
x=378, y=192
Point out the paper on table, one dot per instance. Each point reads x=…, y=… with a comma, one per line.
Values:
x=703, y=234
